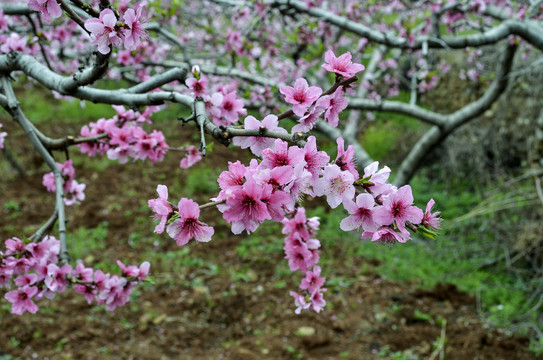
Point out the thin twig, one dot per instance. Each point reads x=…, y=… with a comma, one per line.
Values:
x=47, y=226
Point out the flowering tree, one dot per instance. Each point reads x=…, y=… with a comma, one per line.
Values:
x=285, y=61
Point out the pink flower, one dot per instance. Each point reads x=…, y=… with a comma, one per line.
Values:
x=258, y=143
x=136, y=31
x=26, y=279
x=74, y=194
x=21, y=300
x=246, y=210
x=300, y=226
x=122, y=136
x=315, y=159
x=103, y=32
x=233, y=178
x=82, y=273
x=199, y=87
x=2, y=137
x=4, y=21
x=277, y=177
x=133, y=271
x=360, y=213
x=337, y=185
x=231, y=109
x=56, y=280
x=128, y=271
x=122, y=154
x=431, y=219
x=234, y=42
x=14, y=43
x=337, y=103
x=397, y=207
x=192, y=156
x=275, y=201
x=48, y=8
x=281, y=155
x=308, y=121
x=317, y=300
x=299, y=257
x=161, y=207
x=188, y=226
x=341, y=65
x=377, y=179
x=301, y=95
x=144, y=270
x=345, y=159
x=49, y=182
x=313, y=280
x=300, y=302
x=386, y=236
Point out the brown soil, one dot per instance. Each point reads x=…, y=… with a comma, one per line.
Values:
x=193, y=312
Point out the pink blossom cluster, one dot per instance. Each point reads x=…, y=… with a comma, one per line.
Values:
x=16, y=42
x=183, y=219
x=308, y=101
x=223, y=106
x=269, y=190
x=301, y=249
x=73, y=191
x=262, y=191
x=106, y=30
x=125, y=137
x=34, y=270
x=383, y=212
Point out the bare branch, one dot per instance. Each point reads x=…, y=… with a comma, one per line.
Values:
x=437, y=134
x=14, y=109
x=529, y=30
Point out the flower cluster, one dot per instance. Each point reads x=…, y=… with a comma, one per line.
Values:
x=35, y=271
x=269, y=190
x=73, y=191
x=106, y=31
x=301, y=249
x=125, y=137
x=308, y=101
x=384, y=212
x=223, y=106
x=262, y=191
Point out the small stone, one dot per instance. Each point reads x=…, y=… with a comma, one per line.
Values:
x=305, y=331
x=160, y=318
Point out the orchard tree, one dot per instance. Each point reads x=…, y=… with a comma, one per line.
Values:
x=299, y=67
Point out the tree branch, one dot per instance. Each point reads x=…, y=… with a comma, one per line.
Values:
x=437, y=134
x=14, y=109
x=529, y=30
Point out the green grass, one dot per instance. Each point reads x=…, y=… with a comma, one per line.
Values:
x=83, y=242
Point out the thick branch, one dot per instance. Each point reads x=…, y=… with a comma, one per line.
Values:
x=16, y=9
x=437, y=134
x=33, y=68
x=528, y=30
x=89, y=75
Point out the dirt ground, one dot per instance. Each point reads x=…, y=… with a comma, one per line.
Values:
x=194, y=313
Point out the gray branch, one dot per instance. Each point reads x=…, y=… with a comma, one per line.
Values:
x=14, y=109
x=437, y=134
x=529, y=30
